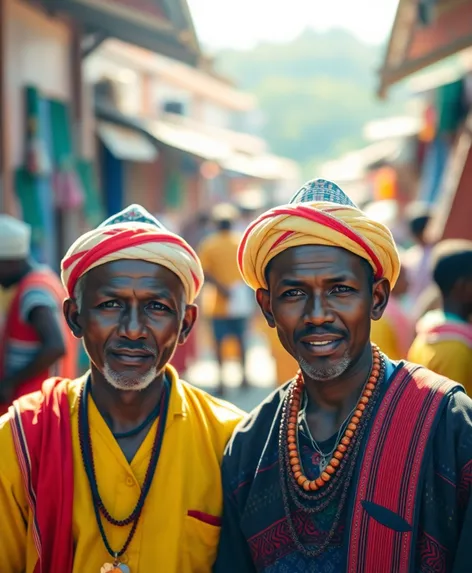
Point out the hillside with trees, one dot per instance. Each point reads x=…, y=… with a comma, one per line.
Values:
x=315, y=93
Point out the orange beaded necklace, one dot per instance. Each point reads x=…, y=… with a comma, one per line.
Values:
x=294, y=409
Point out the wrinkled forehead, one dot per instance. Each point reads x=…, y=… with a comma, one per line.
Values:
x=125, y=273
x=316, y=259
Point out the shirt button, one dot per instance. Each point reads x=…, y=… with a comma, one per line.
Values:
x=129, y=481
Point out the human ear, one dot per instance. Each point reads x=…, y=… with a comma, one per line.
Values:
x=380, y=296
x=189, y=319
x=263, y=300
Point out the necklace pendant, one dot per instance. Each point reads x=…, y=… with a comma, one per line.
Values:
x=115, y=567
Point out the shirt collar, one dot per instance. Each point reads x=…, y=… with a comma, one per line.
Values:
x=178, y=402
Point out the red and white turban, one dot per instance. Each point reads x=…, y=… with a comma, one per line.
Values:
x=136, y=235
x=320, y=213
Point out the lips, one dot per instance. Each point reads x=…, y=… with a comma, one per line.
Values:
x=320, y=339
x=321, y=344
x=130, y=355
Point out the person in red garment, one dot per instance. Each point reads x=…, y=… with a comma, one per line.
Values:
x=36, y=342
x=118, y=470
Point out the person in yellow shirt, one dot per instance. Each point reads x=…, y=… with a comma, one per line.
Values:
x=394, y=332
x=234, y=302
x=118, y=470
x=444, y=336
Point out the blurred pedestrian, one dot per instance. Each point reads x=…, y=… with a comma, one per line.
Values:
x=444, y=336
x=417, y=258
x=194, y=231
x=233, y=303
x=394, y=331
x=36, y=342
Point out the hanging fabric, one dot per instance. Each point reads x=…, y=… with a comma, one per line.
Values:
x=67, y=186
x=37, y=159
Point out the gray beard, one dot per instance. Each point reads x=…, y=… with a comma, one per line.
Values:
x=329, y=372
x=125, y=383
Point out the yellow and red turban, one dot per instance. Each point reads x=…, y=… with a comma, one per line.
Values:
x=320, y=213
x=133, y=234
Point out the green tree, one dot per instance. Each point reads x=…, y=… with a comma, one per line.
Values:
x=316, y=92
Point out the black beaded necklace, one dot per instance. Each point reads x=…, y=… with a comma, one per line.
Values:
x=150, y=418
x=87, y=458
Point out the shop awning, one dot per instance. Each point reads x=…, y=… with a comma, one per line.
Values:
x=262, y=166
x=188, y=140
x=162, y=26
x=447, y=71
x=126, y=144
x=208, y=147
x=423, y=35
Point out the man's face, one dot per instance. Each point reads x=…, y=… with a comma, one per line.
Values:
x=132, y=316
x=321, y=300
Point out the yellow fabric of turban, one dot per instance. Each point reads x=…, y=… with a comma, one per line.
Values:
x=133, y=234
x=333, y=221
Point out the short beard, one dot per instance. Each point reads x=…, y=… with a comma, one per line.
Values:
x=124, y=383
x=329, y=372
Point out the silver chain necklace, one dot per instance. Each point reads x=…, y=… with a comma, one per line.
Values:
x=325, y=457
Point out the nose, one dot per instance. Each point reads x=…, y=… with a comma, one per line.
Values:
x=317, y=311
x=133, y=325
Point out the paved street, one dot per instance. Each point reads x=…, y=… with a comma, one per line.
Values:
x=261, y=375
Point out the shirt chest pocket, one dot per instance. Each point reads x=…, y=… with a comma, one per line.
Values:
x=200, y=544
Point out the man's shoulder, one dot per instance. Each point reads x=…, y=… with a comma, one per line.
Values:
x=5, y=430
x=423, y=377
x=455, y=394
x=52, y=390
x=213, y=410
x=253, y=432
x=9, y=467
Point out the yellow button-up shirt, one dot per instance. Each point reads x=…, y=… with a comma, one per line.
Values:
x=187, y=478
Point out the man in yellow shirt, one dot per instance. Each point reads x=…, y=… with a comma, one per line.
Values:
x=444, y=337
x=394, y=332
x=234, y=302
x=119, y=470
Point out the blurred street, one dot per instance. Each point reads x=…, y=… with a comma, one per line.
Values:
x=204, y=374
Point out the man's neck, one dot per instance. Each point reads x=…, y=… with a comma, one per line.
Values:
x=124, y=410
x=331, y=401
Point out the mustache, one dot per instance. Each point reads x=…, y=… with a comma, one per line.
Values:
x=319, y=331
x=134, y=348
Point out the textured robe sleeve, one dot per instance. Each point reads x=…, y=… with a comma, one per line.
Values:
x=233, y=551
x=463, y=555
x=445, y=528
x=463, y=558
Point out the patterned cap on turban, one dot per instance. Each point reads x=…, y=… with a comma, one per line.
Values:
x=133, y=234
x=320, y=213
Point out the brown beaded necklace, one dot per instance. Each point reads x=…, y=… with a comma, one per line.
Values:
x=349, y=433
x=337, y=486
